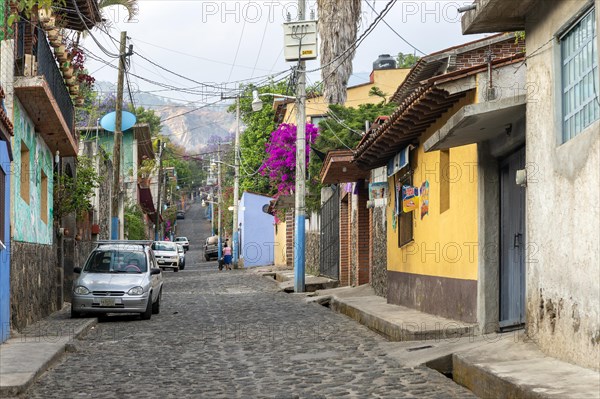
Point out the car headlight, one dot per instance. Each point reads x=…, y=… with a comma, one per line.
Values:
x=136, y=291
x=81, y=290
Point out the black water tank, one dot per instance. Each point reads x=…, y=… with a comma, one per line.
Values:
x=384, y=61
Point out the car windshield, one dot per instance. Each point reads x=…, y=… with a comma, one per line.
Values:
x=116, y=261
x=163, y=246
x=181, y=239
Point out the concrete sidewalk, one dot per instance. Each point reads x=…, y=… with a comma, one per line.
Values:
x=507, y=365
x=25, y=356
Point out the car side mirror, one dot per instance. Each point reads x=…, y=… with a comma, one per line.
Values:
x=155, y=271
x=77, y=270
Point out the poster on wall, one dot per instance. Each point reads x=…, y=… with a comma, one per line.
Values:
x=424, y=194
x=410, y=198
x=378, y=190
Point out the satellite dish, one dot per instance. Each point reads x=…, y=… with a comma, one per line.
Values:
x=108, y=121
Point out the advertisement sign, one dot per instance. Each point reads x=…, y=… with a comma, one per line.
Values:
x=377, y=191
x=424, y=194
x=410, y=198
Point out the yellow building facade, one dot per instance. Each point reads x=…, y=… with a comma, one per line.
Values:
x=387, y=80
x=456, y=140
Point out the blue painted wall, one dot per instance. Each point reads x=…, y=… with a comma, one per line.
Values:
x=257, y=231
x=5, y=252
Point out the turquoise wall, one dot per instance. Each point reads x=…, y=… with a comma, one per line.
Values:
x=106, y=140
x=28, y=225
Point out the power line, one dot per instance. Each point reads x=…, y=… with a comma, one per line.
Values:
x=393, y=30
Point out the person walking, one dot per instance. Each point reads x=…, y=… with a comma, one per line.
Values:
x=227, y=256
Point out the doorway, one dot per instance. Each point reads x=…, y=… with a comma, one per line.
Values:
x=512, y=242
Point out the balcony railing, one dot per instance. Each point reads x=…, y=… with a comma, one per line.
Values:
x=35, y=58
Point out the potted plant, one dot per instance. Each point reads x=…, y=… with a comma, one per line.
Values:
x=67, y=69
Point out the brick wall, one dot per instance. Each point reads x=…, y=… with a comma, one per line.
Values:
x=353, y=250
x=363, y=261
x=498, y=50
x=289, y=237
x=344, y=244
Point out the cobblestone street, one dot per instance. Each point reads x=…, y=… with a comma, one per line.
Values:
x=232, y=335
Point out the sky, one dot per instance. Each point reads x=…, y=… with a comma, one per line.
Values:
x=221, y=43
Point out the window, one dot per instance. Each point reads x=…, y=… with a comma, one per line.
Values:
x=25, y=171
x=315, y=119
x=405, y=219
x=580, y=88
x=44, y=198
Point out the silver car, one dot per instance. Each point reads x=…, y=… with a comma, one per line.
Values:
x=166, y=254
x=118, y=277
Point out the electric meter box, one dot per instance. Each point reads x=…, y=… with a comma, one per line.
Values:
x=300, y=33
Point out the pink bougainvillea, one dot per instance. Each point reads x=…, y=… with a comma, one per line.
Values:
x=280, y=164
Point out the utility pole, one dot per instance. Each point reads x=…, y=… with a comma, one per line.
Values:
x=116, y=195
x=299, y=241
x=236, y=180
x=158, y=212
x=220, y=250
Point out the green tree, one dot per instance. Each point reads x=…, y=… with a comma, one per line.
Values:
x=343, y=129
x=406, y=60
x=148, y=116
x=134, y=223
x=259, y=126
x=73, y=194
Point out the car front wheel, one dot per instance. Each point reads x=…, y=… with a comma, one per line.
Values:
x=156, y=305
x=148, y=313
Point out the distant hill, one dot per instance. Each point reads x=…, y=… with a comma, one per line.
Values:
x=192, y=130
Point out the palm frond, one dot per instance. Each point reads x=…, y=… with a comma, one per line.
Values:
x=130, y=5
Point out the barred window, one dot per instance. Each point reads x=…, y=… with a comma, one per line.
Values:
x=580, y=100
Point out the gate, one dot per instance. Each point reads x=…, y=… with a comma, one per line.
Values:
x=330, y=239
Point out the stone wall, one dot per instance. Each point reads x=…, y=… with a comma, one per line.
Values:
x=313, y=252
x=76, y=253
x=35, y=283
x=379, y=252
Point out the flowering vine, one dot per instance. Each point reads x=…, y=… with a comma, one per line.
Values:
x=280, y=164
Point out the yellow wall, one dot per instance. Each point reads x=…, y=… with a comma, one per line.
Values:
x=387, y=80
x=444, y=243
x=280, y=253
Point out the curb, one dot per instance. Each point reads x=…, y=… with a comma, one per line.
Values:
x=79, y=331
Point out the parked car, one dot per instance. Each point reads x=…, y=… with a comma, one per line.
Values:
x=118, y=277
x=181, y=252
x=211, y=248
x=183, y=241
x=180, y=215
x=166, y=254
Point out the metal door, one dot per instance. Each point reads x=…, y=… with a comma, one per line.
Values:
x=330, y=239
x=512, y=242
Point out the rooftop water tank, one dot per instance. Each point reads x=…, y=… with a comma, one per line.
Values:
x=384, y=61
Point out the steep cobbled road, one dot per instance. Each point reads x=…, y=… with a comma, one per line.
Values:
x=230, y=334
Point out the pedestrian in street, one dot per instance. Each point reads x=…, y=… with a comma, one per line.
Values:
x=227, y=256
